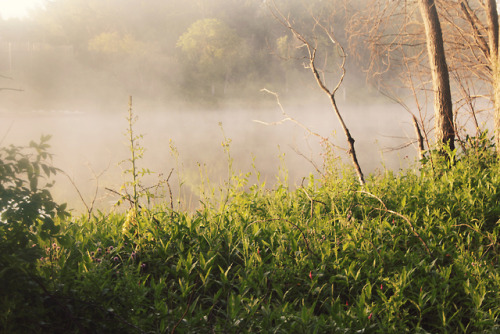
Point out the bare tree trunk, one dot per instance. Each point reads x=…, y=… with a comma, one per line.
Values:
x=420, y=138
x=445, y=130
x=492, y=18
x=350, y=140
x=493, y=32
x=496, y=97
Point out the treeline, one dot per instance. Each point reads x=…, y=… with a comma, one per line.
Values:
x=200, y=51
x=74, y=54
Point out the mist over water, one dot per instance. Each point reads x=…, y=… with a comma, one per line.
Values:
x=86, y=144
x=68, y=69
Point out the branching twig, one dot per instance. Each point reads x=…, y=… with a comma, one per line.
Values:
x=90, y=208
x=312, y=200
x=289, y=118
x=170, y=192
x=308, y=159
x=311, y=47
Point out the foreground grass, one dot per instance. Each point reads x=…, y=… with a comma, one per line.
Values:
x=415, y=252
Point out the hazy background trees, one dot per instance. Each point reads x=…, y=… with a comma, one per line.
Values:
x=92, y=52
x=185, y=58
x=89, y=54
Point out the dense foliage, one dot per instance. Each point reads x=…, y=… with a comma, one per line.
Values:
x=415, y=252
x=27, y=213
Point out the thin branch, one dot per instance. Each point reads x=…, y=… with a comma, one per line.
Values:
x=420, y=139
x=309, y=160
x=289, y=118
x=312, y=200
x=90, y=208
x=476, y=26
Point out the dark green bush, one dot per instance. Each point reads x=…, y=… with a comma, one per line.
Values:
x=27, y=213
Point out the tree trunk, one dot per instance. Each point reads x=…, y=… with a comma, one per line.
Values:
x=496, y=97
x=493, y=32
x=445, y=130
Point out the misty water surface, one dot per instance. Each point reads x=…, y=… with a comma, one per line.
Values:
x=84, y=143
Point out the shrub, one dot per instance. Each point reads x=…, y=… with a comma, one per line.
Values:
x=27, y=213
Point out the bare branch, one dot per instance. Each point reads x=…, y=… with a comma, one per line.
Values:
x=476, y=26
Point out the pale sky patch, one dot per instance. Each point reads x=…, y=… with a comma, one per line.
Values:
x=17, y=8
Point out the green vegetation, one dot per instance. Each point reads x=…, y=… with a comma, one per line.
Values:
x=415, y=252
x=27, y=214
x=410, y=252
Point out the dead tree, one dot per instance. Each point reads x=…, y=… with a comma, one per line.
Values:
x=471, y=32
x=311, y=47
x=483, y=46
x=393, y=33
x=403, y=39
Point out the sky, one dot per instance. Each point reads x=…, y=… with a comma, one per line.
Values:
x=17, y=8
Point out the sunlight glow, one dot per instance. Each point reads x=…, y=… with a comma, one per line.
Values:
x=17, y=8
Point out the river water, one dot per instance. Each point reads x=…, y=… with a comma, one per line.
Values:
x=90, y=145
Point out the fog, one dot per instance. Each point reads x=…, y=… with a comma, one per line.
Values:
x=85, y=144
x=68, y=69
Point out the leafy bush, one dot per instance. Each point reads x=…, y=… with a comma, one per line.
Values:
x=27, y=213
x=415, y=252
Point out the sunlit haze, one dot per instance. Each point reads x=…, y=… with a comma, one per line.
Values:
x=196, y=71
x=17, y=8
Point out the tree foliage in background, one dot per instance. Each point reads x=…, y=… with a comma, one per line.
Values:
x=96, y=51
x=78, y=51
x=211, y=48
x=113, y=44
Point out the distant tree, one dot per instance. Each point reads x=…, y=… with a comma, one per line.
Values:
x=210, y=48
x=114, y=44
x=136, y=45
